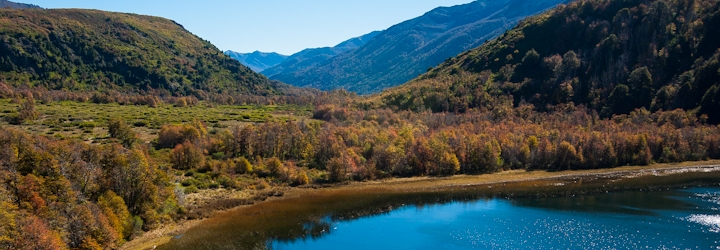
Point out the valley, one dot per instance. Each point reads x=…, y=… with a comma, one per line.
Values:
x=127, y=131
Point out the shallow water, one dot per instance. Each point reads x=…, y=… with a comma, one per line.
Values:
x=556, y=214
x=678, y=219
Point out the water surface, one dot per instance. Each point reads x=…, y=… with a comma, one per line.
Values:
x=671, y=212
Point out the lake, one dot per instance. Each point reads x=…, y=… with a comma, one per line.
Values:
x=667, y=212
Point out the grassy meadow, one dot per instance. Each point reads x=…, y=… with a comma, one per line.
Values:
x=88, y=121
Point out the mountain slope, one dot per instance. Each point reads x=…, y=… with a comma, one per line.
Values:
x=304, y=60
x=406, y=50
x=257, y=61
x=14, y=5
x=97, y=50
x=613, y=56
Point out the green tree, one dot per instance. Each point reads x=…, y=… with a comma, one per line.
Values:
x=640, y=84
x=118, y=129
x=619, y=101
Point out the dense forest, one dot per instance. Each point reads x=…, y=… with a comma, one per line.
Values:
x=625, y=82
x=92, y=50
x=612, y=56
x=60, y=193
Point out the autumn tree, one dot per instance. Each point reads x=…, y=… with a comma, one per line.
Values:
x=243, y=166
x=187, y=156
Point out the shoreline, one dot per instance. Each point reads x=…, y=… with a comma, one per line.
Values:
x=428, y=184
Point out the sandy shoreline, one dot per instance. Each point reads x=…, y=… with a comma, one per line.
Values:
x=422, y=184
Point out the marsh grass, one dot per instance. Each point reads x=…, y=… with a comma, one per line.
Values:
x=88, y=121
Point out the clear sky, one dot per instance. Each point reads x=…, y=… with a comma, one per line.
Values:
x=283, y=26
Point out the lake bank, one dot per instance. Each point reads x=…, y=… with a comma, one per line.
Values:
x=518, y=182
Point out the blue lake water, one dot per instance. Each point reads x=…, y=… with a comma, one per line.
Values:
x=677, y=219
x=680, y=211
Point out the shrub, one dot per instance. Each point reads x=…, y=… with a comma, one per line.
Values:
x=191, y=190
x=120, y=130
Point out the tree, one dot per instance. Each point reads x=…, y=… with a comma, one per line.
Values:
x=568, y=157
x=117, y=213
x=118, y=129
x=640, y=83
x=449, y=164
x=619, y=101
x=36, y=234
x=8, y=231
x=187, y=156
x=274, y=165
x=27, y=109
x=243, y=166
x=335, y=167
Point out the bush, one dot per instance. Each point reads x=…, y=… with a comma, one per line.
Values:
x=121, y=131
x=227, y=182
x=191, y=190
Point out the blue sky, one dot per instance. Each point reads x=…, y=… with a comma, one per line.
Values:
x=284, y=26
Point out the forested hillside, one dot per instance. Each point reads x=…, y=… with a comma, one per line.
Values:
x=97, y=51
x=613, y=56
x=60, y=194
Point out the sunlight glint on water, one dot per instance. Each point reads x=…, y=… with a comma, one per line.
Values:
x=609, y=221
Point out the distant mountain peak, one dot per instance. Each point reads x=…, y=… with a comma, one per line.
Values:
x=257, y=60
x=407, y=49
x=309, y=58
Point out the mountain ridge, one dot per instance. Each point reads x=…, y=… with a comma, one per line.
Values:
x=311, y=57
x=257, y=61
x=14, y=5
x=407, y=49
x=614, y=57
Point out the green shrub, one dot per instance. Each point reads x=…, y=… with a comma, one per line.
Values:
x=191, y=190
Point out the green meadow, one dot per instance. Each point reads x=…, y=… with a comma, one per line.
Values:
x=88, y=121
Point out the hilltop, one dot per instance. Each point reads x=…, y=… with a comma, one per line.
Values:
x=14, y=5
x=91, y=50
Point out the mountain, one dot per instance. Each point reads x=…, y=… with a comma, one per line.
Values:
x=304, y=60
x=14, y=5
x=406, y=50
x=257, y=61
x=611, y=56
x=74, y=49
